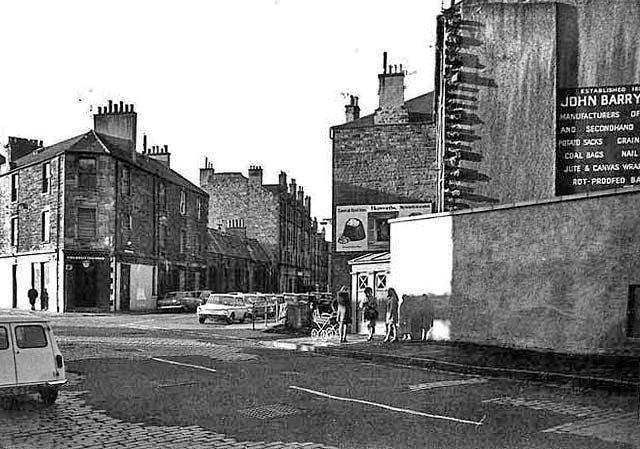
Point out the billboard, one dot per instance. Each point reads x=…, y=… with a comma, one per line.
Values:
x=366, y=227
x=597, y=138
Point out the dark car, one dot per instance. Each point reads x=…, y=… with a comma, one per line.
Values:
x=183, y=301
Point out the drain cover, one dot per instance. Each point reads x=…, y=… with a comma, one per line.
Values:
x=269, y=411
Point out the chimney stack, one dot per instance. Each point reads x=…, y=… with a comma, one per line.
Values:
x=255, y=175
x=118, y=121
x=18, y=147
x=391, y=95
x=352, y=110
x=206, y=172
x=307, y=204
x=292, y=187
x=300, y=194
x=282, y=180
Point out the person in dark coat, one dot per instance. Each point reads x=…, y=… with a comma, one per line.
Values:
x=44, y=300
x=32, y=294
x=370, y=311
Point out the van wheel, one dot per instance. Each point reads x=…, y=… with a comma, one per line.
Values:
x=244, y=317
x=202, y=319
x=49, y=395
x=231, y=318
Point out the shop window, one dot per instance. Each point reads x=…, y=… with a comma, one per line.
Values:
x=87, y=172
x=86, y=223
x=363, y=281
x=14, y=187
x=46, y=177
x=46, y=226
x=381, y=281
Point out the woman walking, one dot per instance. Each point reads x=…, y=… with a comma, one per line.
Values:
x=392, y=316
x=370, y=311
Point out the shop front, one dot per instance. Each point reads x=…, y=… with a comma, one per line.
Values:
x=87, y=281
x=370, y=270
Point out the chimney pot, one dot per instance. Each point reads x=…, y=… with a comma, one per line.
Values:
x=121, y=106
x=144, y=143
x=166, y=148
x=110, y=106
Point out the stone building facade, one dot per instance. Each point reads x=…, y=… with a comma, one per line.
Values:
x=97, y=224
x=386, y=157
x=236, y=263
x=278, y=216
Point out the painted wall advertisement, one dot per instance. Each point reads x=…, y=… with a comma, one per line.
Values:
x=366, y=227
x=597, y=138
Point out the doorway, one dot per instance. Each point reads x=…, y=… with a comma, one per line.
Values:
x=633, y=312
x=125, y=287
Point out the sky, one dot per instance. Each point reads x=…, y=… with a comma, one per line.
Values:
x=240, y=82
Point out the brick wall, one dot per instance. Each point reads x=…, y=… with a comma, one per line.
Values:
x=378, y=165
x=548, y=276
x=263, y=213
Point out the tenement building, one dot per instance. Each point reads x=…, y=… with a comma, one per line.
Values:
x=384, y=166
x=236, y=263
x=278, y=216
x=538, y=131
x=96, y=224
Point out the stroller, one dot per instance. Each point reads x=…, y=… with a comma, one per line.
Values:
x=325, y=325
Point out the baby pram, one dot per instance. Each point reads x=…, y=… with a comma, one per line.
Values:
x=325, y=325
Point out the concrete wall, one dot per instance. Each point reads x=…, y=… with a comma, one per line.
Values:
x=547, y=276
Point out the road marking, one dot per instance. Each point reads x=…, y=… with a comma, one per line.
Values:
x=176, y=385
x=388, y=407
x=183, y=364
x=447, y=383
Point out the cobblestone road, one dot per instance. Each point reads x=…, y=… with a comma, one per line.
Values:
x=72, y=423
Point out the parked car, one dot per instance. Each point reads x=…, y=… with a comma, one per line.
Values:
x=30, y=361
x=186, y=301
x=262, y=304
x=224, y=306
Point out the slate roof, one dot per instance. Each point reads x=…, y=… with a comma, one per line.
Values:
x=93, y=142
x=420, y=110
x=233, y=245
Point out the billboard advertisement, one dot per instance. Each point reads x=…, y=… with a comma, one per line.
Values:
x=366, y=227
x=597, y=138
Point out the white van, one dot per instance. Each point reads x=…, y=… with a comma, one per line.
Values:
x=30, y=361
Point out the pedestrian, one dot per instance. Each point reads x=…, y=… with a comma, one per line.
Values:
x=44, y=300
x=391, y=334
x=370, y=311
x=32, y=294
x=344, y=317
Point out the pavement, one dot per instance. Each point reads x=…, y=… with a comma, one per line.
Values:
x=620, y=373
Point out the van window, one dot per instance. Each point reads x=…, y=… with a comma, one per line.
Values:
x=4, y=338
x=30, y=337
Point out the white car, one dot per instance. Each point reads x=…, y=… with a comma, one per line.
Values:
x=224, y=306
x=30, y=361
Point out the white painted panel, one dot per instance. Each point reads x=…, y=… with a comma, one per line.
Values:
x=422, y=256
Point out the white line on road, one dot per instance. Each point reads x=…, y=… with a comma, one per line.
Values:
x=388, y=407
x=183, y=364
